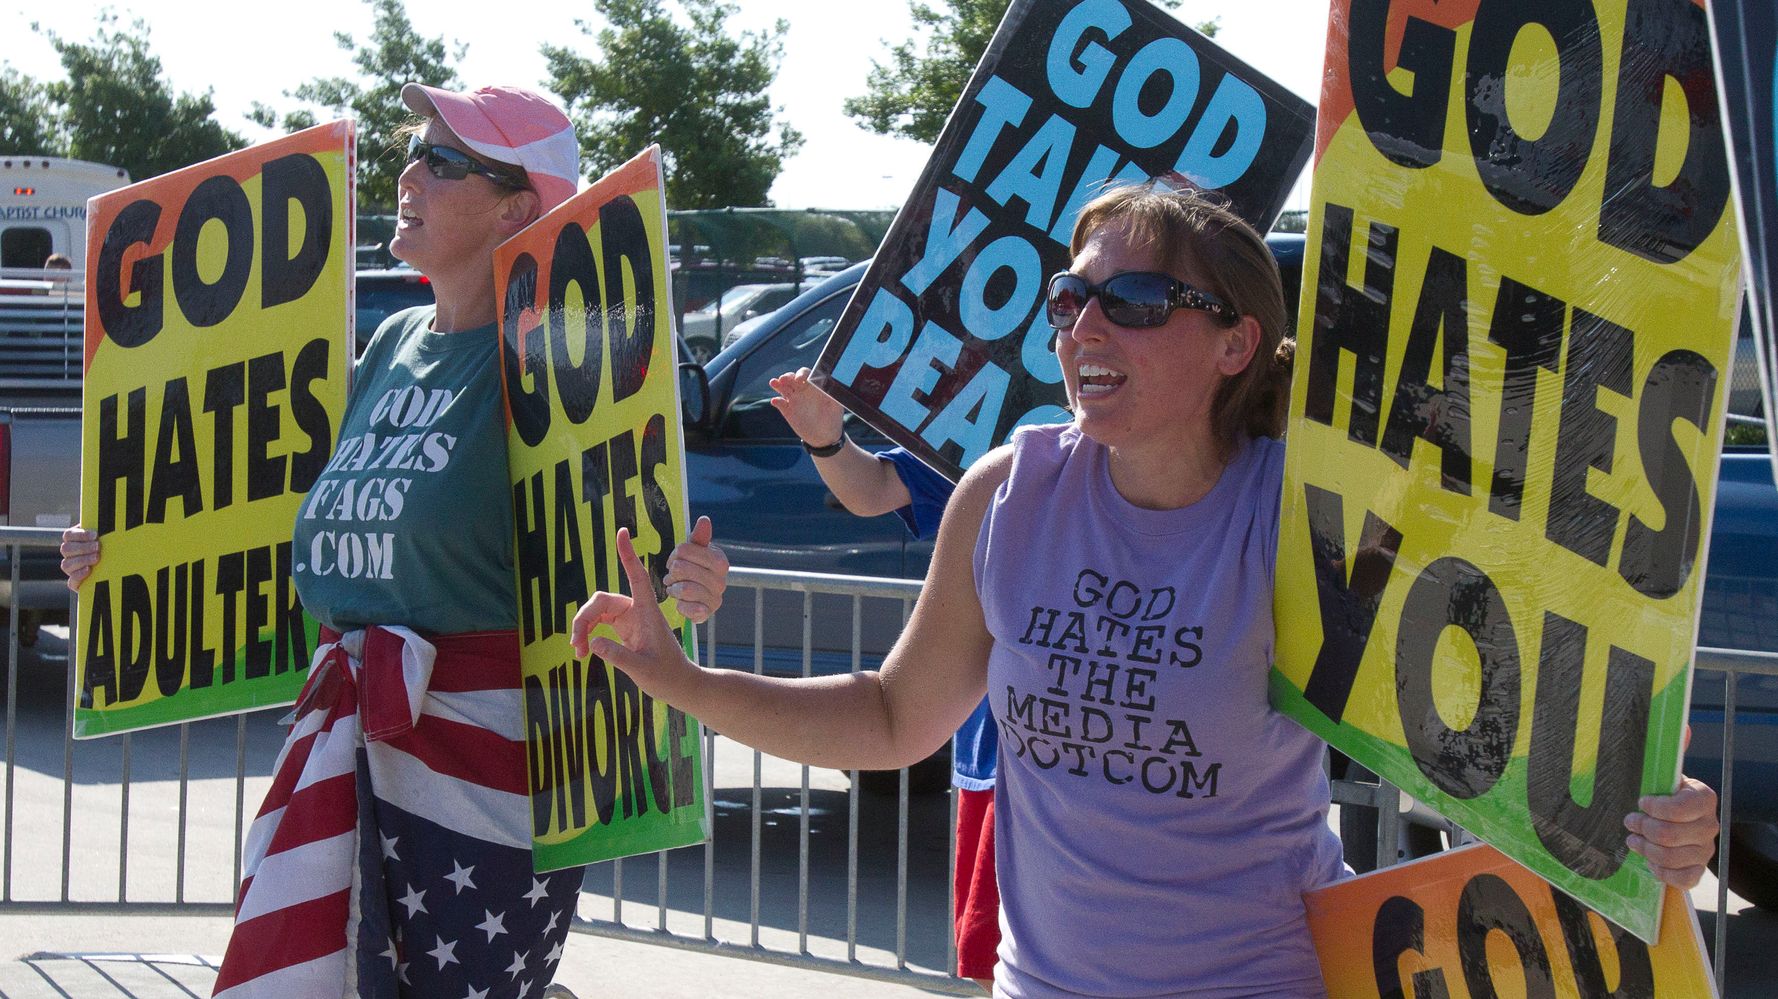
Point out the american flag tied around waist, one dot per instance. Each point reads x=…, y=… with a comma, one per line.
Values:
x=392, y=856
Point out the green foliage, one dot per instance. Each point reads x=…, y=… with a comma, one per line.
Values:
x=694, y=89
x=28, y=120
x=113, y=108
x=913, y=93
x=1744, y=433
x=394, y=56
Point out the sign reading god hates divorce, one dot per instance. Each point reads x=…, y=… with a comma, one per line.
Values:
x=1519, y=300
x=945, y=346
x=592, y=391
x=1424, y=929
x=218, y=335
x=1747, y=79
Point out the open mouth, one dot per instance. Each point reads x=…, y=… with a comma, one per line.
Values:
x=1097, y=380
x=408, y=219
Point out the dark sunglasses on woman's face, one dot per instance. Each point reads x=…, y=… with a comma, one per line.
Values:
x=454, y=164
x=1133, y=298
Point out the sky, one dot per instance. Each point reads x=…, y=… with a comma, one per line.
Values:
x=211, y=44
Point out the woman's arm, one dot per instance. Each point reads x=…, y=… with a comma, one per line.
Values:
x=863, y=484
x=884, y=720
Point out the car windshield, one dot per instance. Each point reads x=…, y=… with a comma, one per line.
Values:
x=732, y=299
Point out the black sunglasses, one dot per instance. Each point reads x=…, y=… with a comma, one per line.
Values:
x=1133, y=298
x=455, y=164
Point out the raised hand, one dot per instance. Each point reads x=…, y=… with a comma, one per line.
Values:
x=812, y=414
x=80, y=552
x=697, y=574
x=1676, y=832
x=646, y=648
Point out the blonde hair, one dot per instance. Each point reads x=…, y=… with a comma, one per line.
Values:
x=1192, y=226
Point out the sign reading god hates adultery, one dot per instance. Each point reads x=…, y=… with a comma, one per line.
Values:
x=1746, y=34
x=945, y=346
x=1424, y=929
x=218, y=321
x=592, y=390
x=1519, y=301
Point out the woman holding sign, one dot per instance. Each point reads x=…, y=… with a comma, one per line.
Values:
x=1110, y=580
x=393, y=853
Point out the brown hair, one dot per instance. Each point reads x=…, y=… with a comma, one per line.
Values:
x=1192, y=225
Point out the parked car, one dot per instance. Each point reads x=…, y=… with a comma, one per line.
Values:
x=382, y=293
x=703, y=328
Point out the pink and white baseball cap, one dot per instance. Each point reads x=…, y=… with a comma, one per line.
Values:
x=509, y=125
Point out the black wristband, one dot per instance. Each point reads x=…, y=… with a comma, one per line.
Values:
x=826, y=450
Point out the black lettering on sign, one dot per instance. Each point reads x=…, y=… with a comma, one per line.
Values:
x=135, y=640
x=1408, y=129
x=299, y=179
x=1680, y=386
x=570, y=566
x=122, y=453
x=265, y=471
x=1528, y=324
x=1438, y=416
x=221, y=200
x=1664, y=40
x=175, y=458
x=1587, y=839
x=203, y=658
x=309, y=413
x=100, y=655
x=1353, y=320
x=630, y=767
x=629, y=274
x=540, y=747
x=170, y=614
x=527, y=361
x=602, y=738
x=1532, y=176
x=225, y=389
x=1600, y=355
x=1348, y=609
x=1635, y=968
x=1400, y=927
x=655, y=505
x=572, y=264
x=531, y=534
x=257, y=656
x=1490, y=905
x=231, y=579
x=130, y=325
x=1464, y=763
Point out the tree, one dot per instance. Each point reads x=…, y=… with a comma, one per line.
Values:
x=912, y=95
x=29, y=123
x=394, y=56
x=116, y=108
x=694, y=89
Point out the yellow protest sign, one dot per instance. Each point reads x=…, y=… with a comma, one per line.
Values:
x=1518, y=306
x=589, y=366
x=1423, y=930
x=217, y=347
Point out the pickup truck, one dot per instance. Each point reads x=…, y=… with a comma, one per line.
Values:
x=748, y=473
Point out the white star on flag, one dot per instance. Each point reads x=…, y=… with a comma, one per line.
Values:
x=394, y=958
x=554, y=955
x=525, y=987
x=517, y=966
x=444, y=953
x=460, y=876
x=537, y=893
x=554, y=917
x=413, y=901
x=401, y=973
x=493, y=926
x=470, y=993
x=389, y=846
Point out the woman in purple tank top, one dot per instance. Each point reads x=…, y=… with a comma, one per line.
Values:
x=1108, y=585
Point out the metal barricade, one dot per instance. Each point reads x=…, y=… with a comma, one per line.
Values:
x=738, y=895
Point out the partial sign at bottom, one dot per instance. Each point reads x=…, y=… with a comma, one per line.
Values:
x=1471, y=923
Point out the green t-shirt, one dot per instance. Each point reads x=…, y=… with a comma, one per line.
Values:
x=411, y=522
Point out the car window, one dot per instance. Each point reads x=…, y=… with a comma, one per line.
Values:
x=24, y=247
x=797, y=344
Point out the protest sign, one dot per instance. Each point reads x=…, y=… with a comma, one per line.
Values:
x=218, y=321
x=592, y=391
x=1746, y=34
x=945, y=346
x=1518, y=305
x=1423, y=929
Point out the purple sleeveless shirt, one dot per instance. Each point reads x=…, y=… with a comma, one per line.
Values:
x=1156, y=821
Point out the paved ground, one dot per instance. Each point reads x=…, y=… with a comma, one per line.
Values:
x=107, y=954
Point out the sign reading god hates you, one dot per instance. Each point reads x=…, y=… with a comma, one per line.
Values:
x=592, y=391
x=218, y=324
x=1424, y=929
x=1747, y=79
x=945, y=346
x=1518, y=307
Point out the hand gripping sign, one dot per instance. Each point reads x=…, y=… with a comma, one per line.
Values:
x=1746, y=34
x=588, y=361
x=945, y=347
x=1471, y=923
x=1518, y=305
x=218, y=321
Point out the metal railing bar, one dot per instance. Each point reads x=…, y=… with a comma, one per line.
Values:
x=802, y=850
x=12, y=702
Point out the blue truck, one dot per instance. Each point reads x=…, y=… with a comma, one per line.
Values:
x=747, y=471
